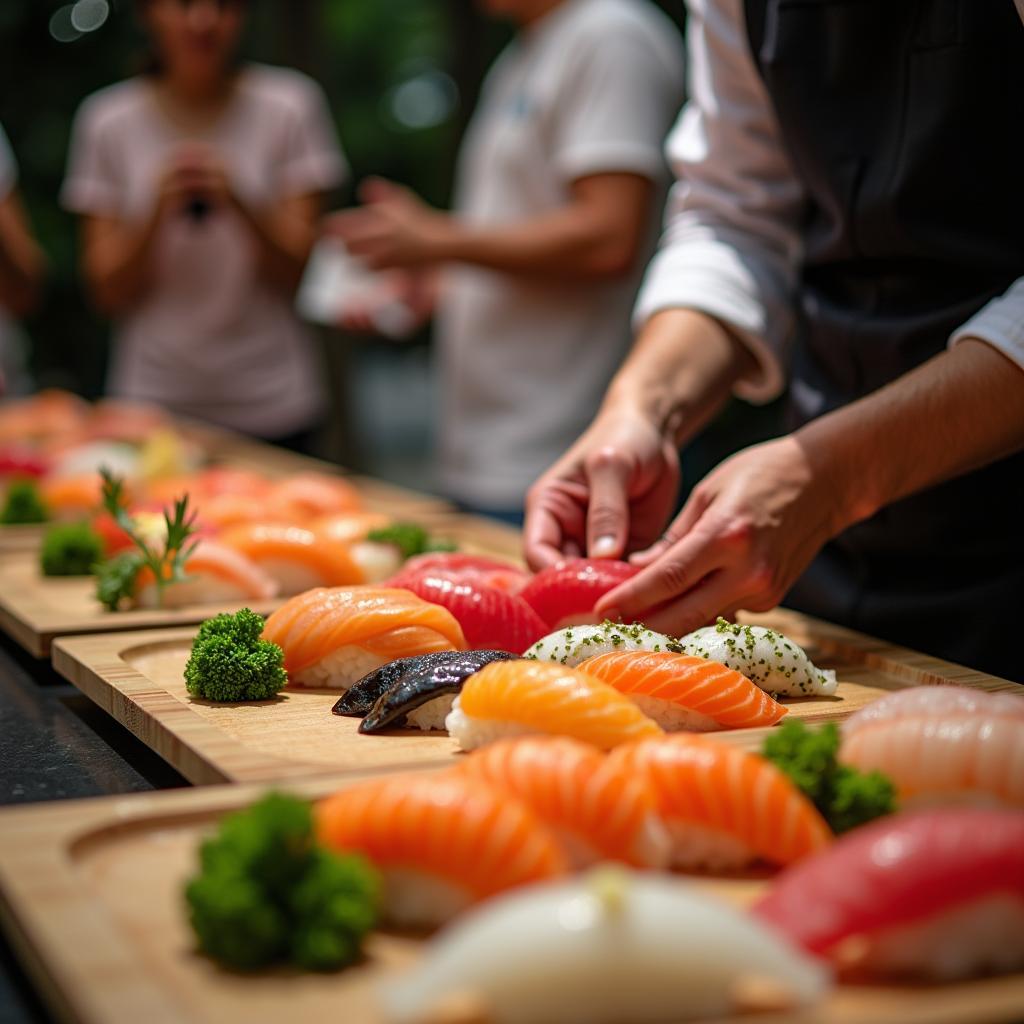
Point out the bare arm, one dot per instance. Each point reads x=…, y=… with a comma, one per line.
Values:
x=285, y=233
x=116, y=260
x=21, y=262
x=596, y=234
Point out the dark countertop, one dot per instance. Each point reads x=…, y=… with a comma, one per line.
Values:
x=55, y=744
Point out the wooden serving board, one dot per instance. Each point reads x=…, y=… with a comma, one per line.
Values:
x=138, y=678
x=21, y=538
x=90, y=896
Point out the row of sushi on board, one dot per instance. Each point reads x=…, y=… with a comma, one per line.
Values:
x=566, y=856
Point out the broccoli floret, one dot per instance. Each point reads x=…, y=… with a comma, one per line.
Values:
x=115, y=579
x=70, y=549
x=410, y=539
x=267, y=893
x=23, y=505
x=845, y=797
x=231, y=662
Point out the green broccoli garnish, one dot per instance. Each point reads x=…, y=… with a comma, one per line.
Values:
x=23, y=505
x=268, y=893
x=410, y=539
x=70, y=549
x=115, y=579
x=845, y=796
x=231, y=662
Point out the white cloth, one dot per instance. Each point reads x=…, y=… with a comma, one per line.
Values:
x=211, y=338
x=732, y=242
x=591, y=88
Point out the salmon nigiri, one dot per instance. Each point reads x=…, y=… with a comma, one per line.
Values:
x=333, y=636
x=214, y=574
x=683, y=692
x=349, y=527
x=598, y=810
x=724, y=807
x=316, y=494
x=440, y=841
x=68, y=498
x=514, y=698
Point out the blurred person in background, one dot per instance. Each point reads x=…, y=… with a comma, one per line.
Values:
x=200, y=185
x=21, y=274
x=557, y=201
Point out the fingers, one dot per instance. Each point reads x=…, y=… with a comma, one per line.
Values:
x=379, y=190
x=608, y=511
x=555, y=522
x=694, y=508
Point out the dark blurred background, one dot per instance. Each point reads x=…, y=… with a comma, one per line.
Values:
x=402, y=77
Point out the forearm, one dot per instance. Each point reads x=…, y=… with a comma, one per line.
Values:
x=21, y=262
x=955, y=413
x=680, y=372
x=285, y=241
x=118, y=263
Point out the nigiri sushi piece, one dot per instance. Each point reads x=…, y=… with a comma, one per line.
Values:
x=68, y=498
x=936, y=894
x=224, y=511
x=607, y=947
x=597, y=809
x=489, y=616
x=565, y=595
x=724, y=807
x=768, y=658
x=349, y=527
x=942, y=744
x=682, y=692
x=575, y=644
x=423, y=699
x=298, y=559
x=333, y=636
x=517, y=698
x=214, y=574
x=441, y=842
x=316, y=494
x=461, y=565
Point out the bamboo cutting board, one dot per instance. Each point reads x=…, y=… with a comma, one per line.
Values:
x=138, y=678
x=90, y=896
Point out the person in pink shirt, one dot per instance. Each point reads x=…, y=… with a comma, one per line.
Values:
x=200, y=185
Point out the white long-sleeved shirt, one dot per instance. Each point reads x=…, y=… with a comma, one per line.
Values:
x=732, y=245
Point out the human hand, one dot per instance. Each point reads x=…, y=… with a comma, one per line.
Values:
x=748, y=530
x=194, y=174
x=393, y=229
x=413, y=292
x=610, y=493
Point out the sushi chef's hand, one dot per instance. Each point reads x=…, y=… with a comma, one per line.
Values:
x=394, y=227
x=748, y=530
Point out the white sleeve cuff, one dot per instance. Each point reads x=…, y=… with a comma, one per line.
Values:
x=1000, y=323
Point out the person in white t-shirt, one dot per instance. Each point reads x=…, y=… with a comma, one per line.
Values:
x=21, y=271
x=200, y=186
x=557, y=202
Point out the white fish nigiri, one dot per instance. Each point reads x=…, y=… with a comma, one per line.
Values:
x=576, y=644
x=765, y=656
x=611, y=946
x=935, y=702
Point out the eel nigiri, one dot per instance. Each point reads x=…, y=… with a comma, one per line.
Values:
x=597, y=810
x=423, y=699
x=214, y=574
x=489, y=616
x=298, y=559
x=575, y=644
x=937, y=893
x=942, y=744
x=768, y=658
x=440, y=841
x=609, y=947
x=333, y=636
x=516, y=698
x=682, y=692
x=565, y=595
x=723, y=806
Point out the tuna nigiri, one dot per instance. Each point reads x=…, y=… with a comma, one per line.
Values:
x=565, y=595
x=942, y=744
x=575, y=644
x=935, y=893
x=597, y=810
x=724, y=807
x=461, y=565
x=682, y=692
x=441, y=842
x=333, y=636
x=515, y=698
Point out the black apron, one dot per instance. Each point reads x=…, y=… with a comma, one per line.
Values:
x=904, y=120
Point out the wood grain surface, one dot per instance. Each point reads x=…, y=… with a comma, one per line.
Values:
x=90, y=896
x=138, y=678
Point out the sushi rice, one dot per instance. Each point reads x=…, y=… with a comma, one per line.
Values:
x=432, y=715
x=339, y=669
x=672, y=717
x=471, y=733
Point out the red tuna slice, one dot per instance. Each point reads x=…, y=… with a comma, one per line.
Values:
x=489, y=617
x=458, y=567
x=565, y=595
x=895, y=871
